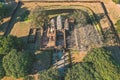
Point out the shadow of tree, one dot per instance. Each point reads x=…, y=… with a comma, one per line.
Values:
x=3, y=26
x=100, y=16
x=16, y=17
x=115, y=50
x=42, y=61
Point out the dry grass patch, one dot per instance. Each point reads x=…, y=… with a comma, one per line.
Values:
x=11, y=78
x=21, y=29
x=78, y=57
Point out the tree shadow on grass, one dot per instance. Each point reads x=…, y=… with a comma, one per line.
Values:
x=42, y=59
x=100, y=16
x=115, y=54
x=3, y=26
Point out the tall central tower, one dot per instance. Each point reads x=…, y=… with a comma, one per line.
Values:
x=59, y=22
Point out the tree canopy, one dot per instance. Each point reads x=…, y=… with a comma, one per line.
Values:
x=10, y=42
x=2, y=72
x=4, y=11
x=82, y=17
x=7, y=43
x=50, y=74
x=97, y=65
x=17, y=64
x=116, y=1
x=118, y=26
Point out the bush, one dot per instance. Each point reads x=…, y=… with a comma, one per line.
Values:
x=17, y=64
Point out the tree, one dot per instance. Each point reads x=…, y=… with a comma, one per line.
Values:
x=97, y=65
x=2, y=72
x=5, y=10
x=118, y=26
x=17, y=64
x=0, y=13
x=51, y=74
x=80, y=71
x=38, y=16
x=81, y=17
x=116, y=1
x=10, y=42
x=1, y=20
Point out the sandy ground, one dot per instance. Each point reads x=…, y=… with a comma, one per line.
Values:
x=21, y=29
x=10, y=78
x=78, y=57
x=94, y=6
